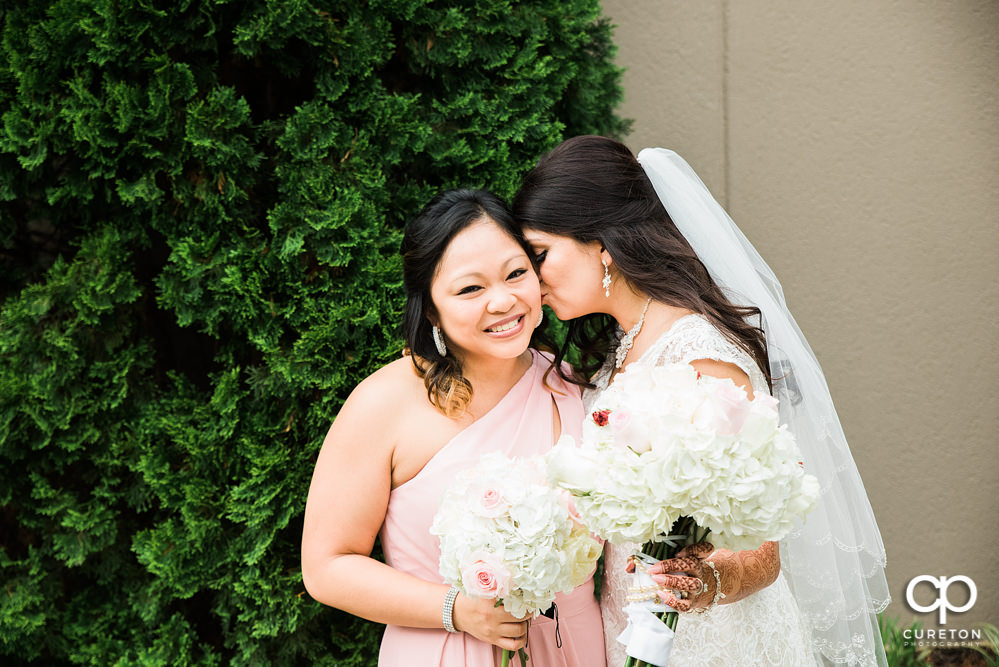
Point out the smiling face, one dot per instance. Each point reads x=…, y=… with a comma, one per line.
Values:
x=485, y=293
x=571, y=274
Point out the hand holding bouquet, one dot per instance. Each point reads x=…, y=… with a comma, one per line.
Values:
x=507, y=534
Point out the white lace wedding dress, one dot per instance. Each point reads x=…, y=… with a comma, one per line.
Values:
x=764, y=629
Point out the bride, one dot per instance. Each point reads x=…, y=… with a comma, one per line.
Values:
x=640, y=246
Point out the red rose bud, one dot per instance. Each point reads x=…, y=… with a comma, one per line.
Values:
x=600, y=417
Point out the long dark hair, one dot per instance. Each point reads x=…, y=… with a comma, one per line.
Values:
x=591, y=188
x=424, y=242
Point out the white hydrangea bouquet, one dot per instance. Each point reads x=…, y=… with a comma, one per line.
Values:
x=669, y=456
x=666, y=442
x=507, y=534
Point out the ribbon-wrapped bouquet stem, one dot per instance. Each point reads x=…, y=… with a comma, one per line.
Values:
x=669, y=455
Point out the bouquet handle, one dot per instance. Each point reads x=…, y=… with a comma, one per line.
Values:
x=508, y=655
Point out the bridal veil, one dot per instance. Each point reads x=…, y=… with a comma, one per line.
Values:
x=834, y=561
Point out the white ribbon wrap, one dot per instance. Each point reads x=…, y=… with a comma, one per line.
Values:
x=646, y=637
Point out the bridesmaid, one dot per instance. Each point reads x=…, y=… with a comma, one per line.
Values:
x=471, y=386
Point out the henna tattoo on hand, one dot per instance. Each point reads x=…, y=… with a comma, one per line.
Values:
x=746, y=572
x=699, y=550
x=742, y=573
x=687, y=564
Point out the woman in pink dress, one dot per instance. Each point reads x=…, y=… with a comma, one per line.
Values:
x=470, y=386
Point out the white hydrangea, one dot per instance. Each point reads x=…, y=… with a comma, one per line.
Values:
x=665, y=442
x=505, y=533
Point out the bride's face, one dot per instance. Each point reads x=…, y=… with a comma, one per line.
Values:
x=571, y=274
x=486, y=294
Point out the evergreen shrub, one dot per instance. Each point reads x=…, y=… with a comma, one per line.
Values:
x=200, y=211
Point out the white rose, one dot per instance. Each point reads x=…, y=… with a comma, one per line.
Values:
x=760, y=425
x=677, y=378
x=806, y=497
x=572, y=467
x=582, y=553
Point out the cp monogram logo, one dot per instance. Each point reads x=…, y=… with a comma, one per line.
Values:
x=941, y=603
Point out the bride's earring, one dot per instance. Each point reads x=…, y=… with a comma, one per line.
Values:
x=607, y=279
x=439, y=341
x=541, y=318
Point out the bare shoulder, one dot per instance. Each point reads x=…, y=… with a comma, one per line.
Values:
x=352, y=479
x=378, y=404
x=391, y=384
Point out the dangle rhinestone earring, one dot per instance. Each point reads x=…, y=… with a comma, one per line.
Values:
x=541, y=317
x=607, y=278
x=439, y=341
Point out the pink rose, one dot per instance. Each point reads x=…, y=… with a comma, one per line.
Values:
x=619, y=420
x=725, y=409
x=491, y=502
x=600, y=417
x=629, y=432
x=486, y=576
x=570, y=506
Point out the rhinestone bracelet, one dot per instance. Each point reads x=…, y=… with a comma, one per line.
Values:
x=718, y=591
x=447, y=613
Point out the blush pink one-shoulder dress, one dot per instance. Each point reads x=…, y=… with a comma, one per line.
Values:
x=521, y=424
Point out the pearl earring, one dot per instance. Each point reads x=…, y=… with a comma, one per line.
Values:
x=439, y=341
x=607, y=279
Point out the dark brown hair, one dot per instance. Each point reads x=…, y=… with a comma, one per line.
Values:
x=591, y=188
x=424, y=242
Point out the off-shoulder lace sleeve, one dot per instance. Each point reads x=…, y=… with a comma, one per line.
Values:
x=692, y=338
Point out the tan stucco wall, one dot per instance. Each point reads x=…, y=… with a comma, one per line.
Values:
x=857, y=145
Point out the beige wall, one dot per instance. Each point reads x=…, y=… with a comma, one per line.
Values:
x=857, y=145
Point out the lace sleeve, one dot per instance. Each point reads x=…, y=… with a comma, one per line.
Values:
x=692, y=338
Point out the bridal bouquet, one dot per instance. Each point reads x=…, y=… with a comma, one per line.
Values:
x=666, y=442
x=669, y=456
x=507, y=534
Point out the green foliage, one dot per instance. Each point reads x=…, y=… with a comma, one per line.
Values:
x=990, y=651
x=900, y=650
x=200, y=210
